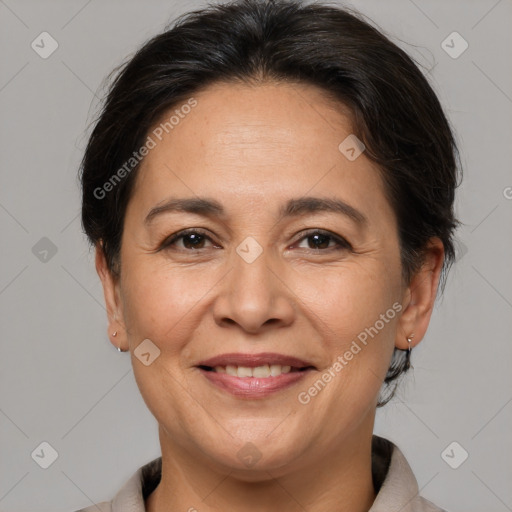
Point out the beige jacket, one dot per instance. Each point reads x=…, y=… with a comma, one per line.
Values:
x=397, y=489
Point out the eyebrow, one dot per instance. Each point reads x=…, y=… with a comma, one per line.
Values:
x=292, y=208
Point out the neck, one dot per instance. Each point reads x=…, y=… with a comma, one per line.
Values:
x=342, y=481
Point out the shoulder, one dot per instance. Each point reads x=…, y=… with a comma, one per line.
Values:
x=398, y=489
x=423, y=505
x=133, y=493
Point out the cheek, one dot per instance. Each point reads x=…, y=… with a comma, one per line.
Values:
x=355, y=310
x=161, y=304
x=350, y=297
x=159, y=300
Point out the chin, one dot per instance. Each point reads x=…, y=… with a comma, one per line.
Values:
x=252, y=461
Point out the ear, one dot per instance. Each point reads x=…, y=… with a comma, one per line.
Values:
x=419, y=297
x=112, y=300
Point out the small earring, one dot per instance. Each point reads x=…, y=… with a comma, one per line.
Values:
x=409, y=340
x=114, y=334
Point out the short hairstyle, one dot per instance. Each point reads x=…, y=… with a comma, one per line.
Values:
x=394, y=111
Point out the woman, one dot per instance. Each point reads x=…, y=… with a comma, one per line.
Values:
x=269, y=189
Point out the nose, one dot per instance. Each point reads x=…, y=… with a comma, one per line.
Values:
x=254, y=297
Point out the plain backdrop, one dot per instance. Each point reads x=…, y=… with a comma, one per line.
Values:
x=62, y=382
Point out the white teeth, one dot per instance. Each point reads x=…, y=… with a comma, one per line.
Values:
x=243, y=371
x=231, y=370
x=261, y=372
x=277, y=369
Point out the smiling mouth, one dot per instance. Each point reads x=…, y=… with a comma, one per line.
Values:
x=261, y=372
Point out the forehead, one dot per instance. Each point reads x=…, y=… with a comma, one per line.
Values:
x=256, y=144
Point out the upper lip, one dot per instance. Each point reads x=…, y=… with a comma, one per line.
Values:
x=254, y=360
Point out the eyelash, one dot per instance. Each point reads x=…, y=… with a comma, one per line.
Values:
x=342, y=244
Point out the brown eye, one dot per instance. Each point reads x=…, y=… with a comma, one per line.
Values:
x=192, y=239
x=322, y=240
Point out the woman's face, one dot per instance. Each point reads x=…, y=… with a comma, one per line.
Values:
x=264, y=271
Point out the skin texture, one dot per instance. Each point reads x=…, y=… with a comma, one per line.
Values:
x=252, y=148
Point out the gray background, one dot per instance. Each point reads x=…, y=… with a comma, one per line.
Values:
x=62, y=382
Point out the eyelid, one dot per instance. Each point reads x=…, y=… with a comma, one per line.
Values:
x=184, y=232
x=339, y=240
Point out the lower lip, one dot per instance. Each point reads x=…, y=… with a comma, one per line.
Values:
x=254, y=387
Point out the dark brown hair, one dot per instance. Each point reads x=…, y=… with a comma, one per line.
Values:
x=395, y=112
